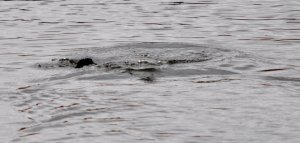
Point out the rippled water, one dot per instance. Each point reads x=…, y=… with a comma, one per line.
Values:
x=246, y=89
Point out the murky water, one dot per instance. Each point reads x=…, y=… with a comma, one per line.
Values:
x=240, y=84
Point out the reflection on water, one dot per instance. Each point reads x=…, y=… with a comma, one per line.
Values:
x=245, y=89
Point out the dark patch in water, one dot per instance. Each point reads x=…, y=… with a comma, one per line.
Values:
x=189, y=3
x=278, y=69
x=22, y=129
x=147, y=79
x=130, y=70
x=25, y=87
x=84, y=62
x=110, y=66
x=213, y=81
x=143, y=60
x=171, y=62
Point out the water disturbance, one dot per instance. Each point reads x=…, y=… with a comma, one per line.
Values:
x=149, y=71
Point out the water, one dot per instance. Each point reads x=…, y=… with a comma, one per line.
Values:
x=246, y=91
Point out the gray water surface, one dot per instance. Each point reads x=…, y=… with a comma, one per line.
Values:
x=245, y=89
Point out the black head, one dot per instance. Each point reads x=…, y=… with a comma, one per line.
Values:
x=84, y=62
